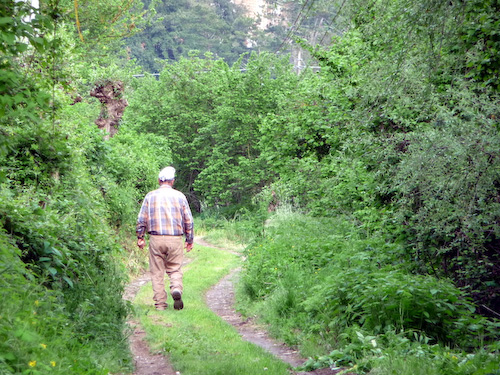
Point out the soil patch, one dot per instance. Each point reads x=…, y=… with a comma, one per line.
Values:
x=145, y=362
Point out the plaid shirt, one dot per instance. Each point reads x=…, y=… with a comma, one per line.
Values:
x=165, y=211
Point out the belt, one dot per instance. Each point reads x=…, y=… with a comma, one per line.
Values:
x=161, y=235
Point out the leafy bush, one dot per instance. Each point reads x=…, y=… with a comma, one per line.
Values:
x=388, y=299
x=320, y=281
x=61, y=287
x=59, y=249
x=393, y=353
x=450, y=209
x=40, y=334
x=35, y=155
x=124, y=168
x=309, y=244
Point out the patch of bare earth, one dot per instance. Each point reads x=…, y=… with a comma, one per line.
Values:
x=220, y=299
x=145, y=362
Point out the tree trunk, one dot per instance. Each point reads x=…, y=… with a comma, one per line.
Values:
x=113, y=106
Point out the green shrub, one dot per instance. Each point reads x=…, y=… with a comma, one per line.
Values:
x=389, y=299
x=393, y=353
x=64, y=288
x=35, y=156
x=450, y=208
x=317, y=281
x=309, y=244
x=39, y=333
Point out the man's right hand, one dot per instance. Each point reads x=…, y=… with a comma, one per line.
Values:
x=141, y=242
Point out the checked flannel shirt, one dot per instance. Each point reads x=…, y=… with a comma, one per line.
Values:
x=165, y=211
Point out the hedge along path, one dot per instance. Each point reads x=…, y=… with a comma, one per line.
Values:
x=196, y=340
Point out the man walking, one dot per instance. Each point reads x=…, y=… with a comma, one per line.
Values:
x=166, y=216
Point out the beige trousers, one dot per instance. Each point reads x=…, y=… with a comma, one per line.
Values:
x=166, y=254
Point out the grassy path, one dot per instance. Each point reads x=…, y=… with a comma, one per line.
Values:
x=196, y=340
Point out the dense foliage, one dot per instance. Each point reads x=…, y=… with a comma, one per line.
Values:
x=389, y=154
x=211, y=114
x=324, y=283
x=396, y=131
x=397, y=135
x=64, y=192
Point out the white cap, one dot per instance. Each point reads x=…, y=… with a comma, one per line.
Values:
x=167, y=174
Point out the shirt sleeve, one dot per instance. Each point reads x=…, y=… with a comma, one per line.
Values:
x=142, y=219
x=187, y=219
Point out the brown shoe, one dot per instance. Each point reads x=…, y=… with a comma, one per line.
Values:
x=178, y=304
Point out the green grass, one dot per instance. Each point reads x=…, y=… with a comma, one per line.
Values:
x=196, y=340
x=305, y=262
x=225, y=233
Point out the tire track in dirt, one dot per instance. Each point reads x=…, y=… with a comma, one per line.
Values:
x=220, y=299
x=145, y=362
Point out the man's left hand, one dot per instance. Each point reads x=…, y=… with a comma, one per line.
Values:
x=189, y=247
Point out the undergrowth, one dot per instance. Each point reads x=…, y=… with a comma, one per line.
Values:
x=351, y=301
x=58, y=330
x=61, y=277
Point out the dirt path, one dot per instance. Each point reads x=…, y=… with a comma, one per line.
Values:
x=145, y=362
x=220, y=299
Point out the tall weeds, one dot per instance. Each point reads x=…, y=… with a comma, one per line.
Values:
x=325, y=286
